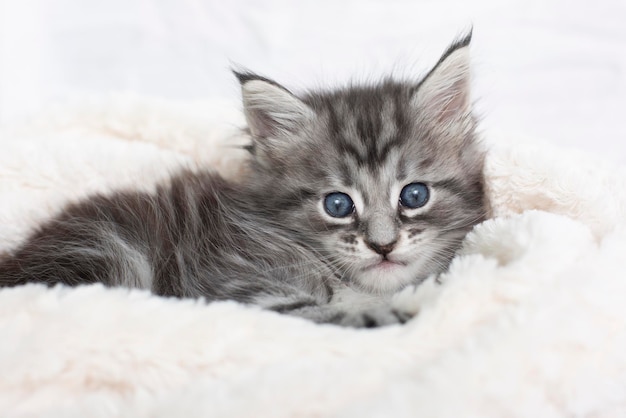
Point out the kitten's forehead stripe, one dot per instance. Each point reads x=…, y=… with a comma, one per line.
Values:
x=365, y=124
x=341, y=142
x=368, y=125
x=350, y=150
x=401, y=170
x=400, y=117
x=383, y=153
x=345, y=174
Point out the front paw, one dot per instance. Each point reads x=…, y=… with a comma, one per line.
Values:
x=373, y=318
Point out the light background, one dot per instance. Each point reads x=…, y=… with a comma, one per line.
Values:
x=553, y=69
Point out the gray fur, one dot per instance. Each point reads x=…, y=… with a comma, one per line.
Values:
x=267, y=240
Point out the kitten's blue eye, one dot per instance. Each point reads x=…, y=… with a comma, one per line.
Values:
x=338, y=205
x=414, y=195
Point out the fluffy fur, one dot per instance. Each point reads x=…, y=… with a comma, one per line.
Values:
x=267, y=239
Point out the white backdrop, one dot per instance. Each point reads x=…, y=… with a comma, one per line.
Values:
x=554, y=69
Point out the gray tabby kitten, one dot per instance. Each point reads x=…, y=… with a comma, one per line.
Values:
x=367, y=188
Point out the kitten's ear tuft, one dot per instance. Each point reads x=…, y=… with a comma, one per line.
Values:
x=270, y=109
x=444, y=94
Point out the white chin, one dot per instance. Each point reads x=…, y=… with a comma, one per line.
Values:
x=384, y=279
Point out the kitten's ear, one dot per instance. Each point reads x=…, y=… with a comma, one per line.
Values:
x=444, y=94
x=270, y=109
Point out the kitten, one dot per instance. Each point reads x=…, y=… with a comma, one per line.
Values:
x=369, y=188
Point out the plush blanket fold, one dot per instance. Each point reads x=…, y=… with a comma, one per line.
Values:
x=529, y=321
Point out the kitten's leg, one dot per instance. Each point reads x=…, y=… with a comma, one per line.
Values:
x=361, y=318
x=375, y=313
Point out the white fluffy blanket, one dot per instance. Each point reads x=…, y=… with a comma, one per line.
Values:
x=530, y=321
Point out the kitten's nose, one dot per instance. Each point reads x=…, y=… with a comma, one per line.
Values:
x=382, y=249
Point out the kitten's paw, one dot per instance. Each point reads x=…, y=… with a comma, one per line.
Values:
x=373, y=318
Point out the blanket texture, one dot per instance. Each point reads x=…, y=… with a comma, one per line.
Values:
x=529, y=321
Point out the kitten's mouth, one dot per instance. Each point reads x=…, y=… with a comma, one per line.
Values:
x=385, y=264
x=382, y=275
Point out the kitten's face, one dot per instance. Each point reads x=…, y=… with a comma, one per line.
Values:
x=393, y=221
x=384, y=181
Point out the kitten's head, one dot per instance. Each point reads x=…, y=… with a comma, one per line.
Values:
x=383, y=180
